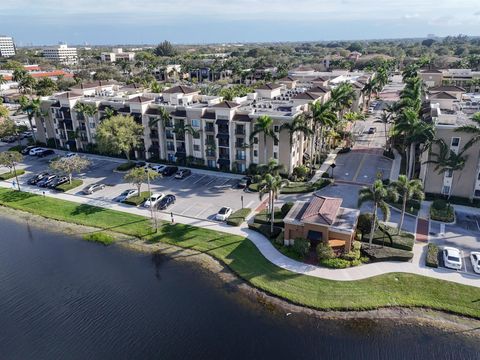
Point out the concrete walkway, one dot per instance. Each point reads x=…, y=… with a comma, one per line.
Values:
x=396, y=164
x=417, y=266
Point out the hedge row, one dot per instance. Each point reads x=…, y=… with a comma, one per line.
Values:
x=265, y=230
x=402, y=241
x=238, y=217
x=126, y=166
x=432, y=255
x=378, y=253
x=9, y=175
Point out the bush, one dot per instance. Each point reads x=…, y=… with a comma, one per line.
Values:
x=280, y=238
x=286, y=208
x=99, y=237
x=344, y=150
x=126, y=166
x=253, y=187
x=9, y=175
x=378, y=253
x=364, y=223
x=353, y=254
x=389, y=154
x=440, y=210
x=238, y=217
x=300, y=172
x=138, y=200
x=335, y=263
x=265, y=230
x=402, y=241
x=263, y=217
x=16, y=148
x=324, y=251
x=432, y=255
x=326, y=175
x=67, y=186
x=301, y=246
x=439, y=204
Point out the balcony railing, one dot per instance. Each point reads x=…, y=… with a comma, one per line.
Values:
x=240, y=131
x=223, y=130
x=170, y=148
x=209, y=128
x=241, y=157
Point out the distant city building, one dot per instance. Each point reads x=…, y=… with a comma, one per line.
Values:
x=117, y=54
x=62, y=54
x=7, y=47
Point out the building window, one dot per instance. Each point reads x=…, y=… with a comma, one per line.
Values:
x=446, y=190
x=275, y=128
x=275, y=155
x=196, y=147
x=255, y=140
x=255, y=153
x=477, y=193
x=275, y=142
x=211, y=163
x=195, y=123
x=448, y=173
x=455, y=142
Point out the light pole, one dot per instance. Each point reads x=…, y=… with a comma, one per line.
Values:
x=15, y=171
x=241, y=198
x=154, y=218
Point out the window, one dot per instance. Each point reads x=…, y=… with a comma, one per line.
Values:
x=275, y=142
x=211, y=163
x=255, y=153
x=275, y=128
x=196, y=147
x=455, y=141
x=477, y=193
x=195, y=123
x=92, y=125
x=446, y=190
x=448, y=173
x=275, y=155
x=255, y=140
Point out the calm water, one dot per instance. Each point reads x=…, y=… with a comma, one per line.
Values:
x=68, y=299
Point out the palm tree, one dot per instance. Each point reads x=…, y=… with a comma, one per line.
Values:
x=271, y=185
x=272, y=168
x=385, y=118
x=297, y=125
x=367, y=91
x=264, y=125
x=322, y=117
x=378, y=194
x=87, y=110
x=109, y=112
x=342, y=97
x=408, y=190
x=473, y=129
x=448, y=160
x=32, y=108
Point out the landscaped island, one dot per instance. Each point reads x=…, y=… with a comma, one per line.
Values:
x=242, y=257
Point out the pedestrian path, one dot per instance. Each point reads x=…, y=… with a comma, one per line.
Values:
x=416, y=266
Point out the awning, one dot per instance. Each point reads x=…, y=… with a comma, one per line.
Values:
x=314, y=235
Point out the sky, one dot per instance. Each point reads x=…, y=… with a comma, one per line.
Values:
x=96, y=22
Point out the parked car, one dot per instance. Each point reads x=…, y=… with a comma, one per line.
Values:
x=27, y=149
x=9, y=139
x=59, y=180
x=26, y=134
x=153, y=200
x=183, y=173
x=475, y=259
x=126, y=195
x=140, y=164
x=223, y=213
x=46, y=180
x=244, y=182
x=35, y=179
x=452, y=258
x=45, y=152
x=90, y=189
x=70, y=154
x=166, y=202
x=158, y=168
x=169, y=170
x=35, y=151
x=372, y=130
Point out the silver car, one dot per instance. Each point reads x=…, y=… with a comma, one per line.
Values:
x=126, y=195
x=90, y=189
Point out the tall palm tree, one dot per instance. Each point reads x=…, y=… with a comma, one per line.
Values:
x=342, y=97
x=32, y=108
x=87, y=110
x=408, y=190
x=297, y=125
x=271, y=185
x=264, y=126
x=367, y=91
x=272, y=168
x=322, y=116
x=473, y=129
x=447, y=160
x=378, y=194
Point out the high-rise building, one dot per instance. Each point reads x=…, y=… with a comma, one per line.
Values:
x=7, y=47
x=62, y=54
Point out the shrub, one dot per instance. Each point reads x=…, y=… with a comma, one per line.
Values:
x=324, y=251
x=9, y=175
x=238, y=217
x=402, y=241
x=67, y=186
x=439, y=204
x=16, y=148
x=126, y=166
x=253, y=187
x=364, y=223
x=441, y=211
x=280, y=238
x=432, y=255
x=344, y=150
x=265, y=230
x=335, y=263
x=378, y=253
x=137, y=200
x=99, y=237
x=286, y=208
x=263, y=217
x=389, y=154
x=326, y=175
x=301, y=246
x=300, y=172
x=353, y=254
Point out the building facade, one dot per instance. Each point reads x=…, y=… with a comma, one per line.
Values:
x=61, y=54
x=117, y=54
x=7, y=46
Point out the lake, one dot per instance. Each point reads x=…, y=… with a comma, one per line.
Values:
x=65, y=298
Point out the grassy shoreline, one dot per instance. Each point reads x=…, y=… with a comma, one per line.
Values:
x=244, y=259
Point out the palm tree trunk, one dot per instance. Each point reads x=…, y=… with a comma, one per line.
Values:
x=402, y=216
x=265, y=148
x=372, y=230
x=412, y=160
x=387, y=146
x=31, y=127
x=272, y=213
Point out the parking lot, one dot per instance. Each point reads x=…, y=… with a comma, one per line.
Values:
x=464, y=235
x=199, y=195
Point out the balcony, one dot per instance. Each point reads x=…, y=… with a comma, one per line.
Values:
x=223, y=130
x=180, y=137
x=170, y=148
x=240, y=157
x=210, y=153
x=223, y=143
x=239, y=131
x=209, y=128
x=169, y=136
x=154, y=135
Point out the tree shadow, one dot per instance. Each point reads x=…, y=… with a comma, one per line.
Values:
x=85, y=209
x=13, y=196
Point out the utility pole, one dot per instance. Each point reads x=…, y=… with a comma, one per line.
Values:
x=152, y=216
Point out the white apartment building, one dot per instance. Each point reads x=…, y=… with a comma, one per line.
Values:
x=7, y=47
x=117, y=54
x=62, y=54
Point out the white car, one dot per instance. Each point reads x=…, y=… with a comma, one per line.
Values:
x=126, y=195
x=69, y=155
x=158, y=168
x=475, y=259
x=154, y=199
x=452, y=258
x=223, y=213
x=35, y=151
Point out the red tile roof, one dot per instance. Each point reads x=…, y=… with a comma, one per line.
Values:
x=324, y=209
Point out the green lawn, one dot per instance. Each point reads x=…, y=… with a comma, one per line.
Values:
x=11, y=174
x=243, y=258
x=69, y=186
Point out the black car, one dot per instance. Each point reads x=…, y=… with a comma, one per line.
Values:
x=26, y=150
x=45, y=152
x=46, y=180
x=57, y=181
x=34, y=180
x=244, y=182
x=166, y=202
x=169, y=170
x=9, y=139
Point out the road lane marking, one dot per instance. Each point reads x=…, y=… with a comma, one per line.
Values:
x=199, y=179
x=359, y=167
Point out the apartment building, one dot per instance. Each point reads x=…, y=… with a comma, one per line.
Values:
x=464, y=78
x=221, y=129
x=7, y=46
x=61, y=54
x=116, y=55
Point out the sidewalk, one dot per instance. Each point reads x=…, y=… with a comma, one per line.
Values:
x=417, y=266
x=325, y=166
x=396, y=164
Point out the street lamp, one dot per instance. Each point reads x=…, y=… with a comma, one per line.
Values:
x=333, y=166
x=154, y=218
x=14, y=171
x=241, y=198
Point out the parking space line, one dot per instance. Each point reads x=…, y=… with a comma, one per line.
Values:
x=213, y=179
x=224, y=182
x=188, y=208
x=201, y=177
